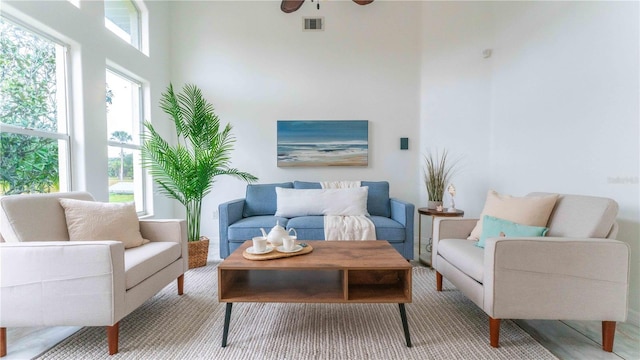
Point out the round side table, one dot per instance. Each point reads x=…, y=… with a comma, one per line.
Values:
x=426, y=259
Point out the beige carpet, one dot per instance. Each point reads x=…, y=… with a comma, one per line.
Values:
x=443, y=326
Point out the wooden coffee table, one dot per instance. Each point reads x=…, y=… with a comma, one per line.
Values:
x=334, y=272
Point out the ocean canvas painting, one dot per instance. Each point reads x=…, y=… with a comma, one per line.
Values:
x=323, y=143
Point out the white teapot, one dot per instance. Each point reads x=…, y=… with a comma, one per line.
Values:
x=277, y=233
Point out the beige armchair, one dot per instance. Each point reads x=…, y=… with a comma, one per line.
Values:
x=576, y=272
x=47, y=280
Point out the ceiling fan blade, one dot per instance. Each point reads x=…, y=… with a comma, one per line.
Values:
x=363, y=2
x=290, y=6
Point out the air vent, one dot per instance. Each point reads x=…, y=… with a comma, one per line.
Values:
x=313, y=24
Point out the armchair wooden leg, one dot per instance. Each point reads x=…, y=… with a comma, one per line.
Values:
x=438, y=281
x=180, y=284
x=494, y=332
x=112, y=338
x=3, y=341
x=608, y=333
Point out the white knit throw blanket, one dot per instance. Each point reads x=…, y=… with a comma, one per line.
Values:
x=353, y=227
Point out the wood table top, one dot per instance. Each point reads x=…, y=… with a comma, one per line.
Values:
x=373, y=254
x=444, y=213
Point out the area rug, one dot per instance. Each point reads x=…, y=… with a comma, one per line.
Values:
x=443, y=325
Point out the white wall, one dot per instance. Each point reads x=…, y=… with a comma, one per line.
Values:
x=257, y=66
x=556, y=108
x=92, y=47
x=455, y=110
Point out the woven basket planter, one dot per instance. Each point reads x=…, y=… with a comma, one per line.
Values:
x=198, y=252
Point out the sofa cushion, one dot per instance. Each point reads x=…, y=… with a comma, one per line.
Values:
x=377, y=197
x=528, y=210
x=581, y=216
x=388, y=229
x=496, y=227
x=305, y=202
x=306, y=185
x=308, y=227
x=260, y=199
x=143, y=261
x=35, y=217
x=246, y=228
x=312, y=228
x=92, y=220
x=464, y=255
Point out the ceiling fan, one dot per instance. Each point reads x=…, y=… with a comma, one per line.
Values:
x=290, y=6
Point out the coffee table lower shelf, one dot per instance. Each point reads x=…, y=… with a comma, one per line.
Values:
x=315, y=286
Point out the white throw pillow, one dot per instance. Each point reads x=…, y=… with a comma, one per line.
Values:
x=308, y=202
x=527, y=210
x=92, y=220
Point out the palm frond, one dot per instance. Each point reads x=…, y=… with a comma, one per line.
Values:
x=186, y=172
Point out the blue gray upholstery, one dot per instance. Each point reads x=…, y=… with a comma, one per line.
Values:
x=241, y=219
x=260, y=199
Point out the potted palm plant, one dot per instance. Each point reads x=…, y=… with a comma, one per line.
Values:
x=186, y=171
x=437, y=174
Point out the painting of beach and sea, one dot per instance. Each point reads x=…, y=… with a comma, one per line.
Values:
x=323, y=143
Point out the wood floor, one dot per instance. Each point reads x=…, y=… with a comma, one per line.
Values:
x=580, y=340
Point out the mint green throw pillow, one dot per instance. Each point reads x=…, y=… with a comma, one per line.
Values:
x=496, y=227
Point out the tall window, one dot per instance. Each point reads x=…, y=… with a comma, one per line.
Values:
x=34, y=141
x=122, y=17
x=124, y=124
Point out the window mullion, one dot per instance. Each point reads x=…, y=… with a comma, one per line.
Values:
x=123, y=145
x=6, y=128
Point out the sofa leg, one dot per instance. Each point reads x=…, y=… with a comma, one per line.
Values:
x=3, y=341
x=494, y=332
x=608, y=333
x=112, y=338
x=180, y=284
x=438, y=281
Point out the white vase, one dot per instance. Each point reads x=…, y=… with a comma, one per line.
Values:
x=433, y=204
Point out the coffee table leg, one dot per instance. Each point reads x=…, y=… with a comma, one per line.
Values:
x=227, y=318
x=405, y=325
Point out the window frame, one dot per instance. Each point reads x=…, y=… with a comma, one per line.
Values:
x=65, y=171
x=138, y=146
x=136, y=40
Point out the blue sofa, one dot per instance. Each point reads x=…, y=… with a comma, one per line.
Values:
x=241, y=219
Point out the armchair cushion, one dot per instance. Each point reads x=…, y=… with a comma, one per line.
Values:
x=582, y=216
x=35, y=217
x=496, y=227
x=465, y=256
x=528, y=210
x=143, y=261
x=92, y=220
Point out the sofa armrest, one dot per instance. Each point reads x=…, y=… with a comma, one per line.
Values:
x=449, y=228
x=229, y=213
x=51, y=283
x=172, y=230
x=403, y=212
x=556, y=278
